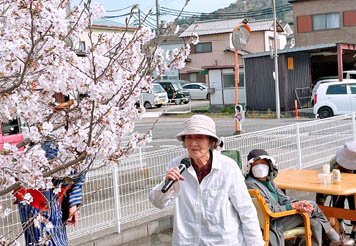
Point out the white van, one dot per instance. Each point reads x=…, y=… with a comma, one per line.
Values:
x=335, y=98
x=157, y=97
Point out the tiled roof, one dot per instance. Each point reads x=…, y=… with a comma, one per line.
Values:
x=262, y=25
x=226, y=26
x=211, y=27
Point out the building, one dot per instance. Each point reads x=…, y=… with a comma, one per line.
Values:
x=169, y=43
x=298, y=68
x=100, y=26
x=212, y=60
x=324, y=21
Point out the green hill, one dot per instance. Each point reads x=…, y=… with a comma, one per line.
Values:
x=250, y=9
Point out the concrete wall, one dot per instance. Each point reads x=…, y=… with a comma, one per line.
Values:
x=344, y=34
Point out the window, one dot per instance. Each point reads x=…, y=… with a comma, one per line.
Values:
x=191, y=87
x=82, y=45
x=203, y=47
x=10, y=128
x=304, y=23
x=350, y=18
x=326, y=21
x=353, y=89
x=193, y=77
x=336, y=89
x=229, y=80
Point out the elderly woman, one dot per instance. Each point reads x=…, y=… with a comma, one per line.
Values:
x=212, y=204
x=261, y=171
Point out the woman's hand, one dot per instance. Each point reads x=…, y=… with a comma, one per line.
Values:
x=73, y=216
x=303, y=206
x=174, y=174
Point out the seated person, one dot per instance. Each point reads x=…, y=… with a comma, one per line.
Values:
x=261, y=172
x=345, y=161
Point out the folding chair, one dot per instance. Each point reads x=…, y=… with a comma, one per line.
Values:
x=265, y=214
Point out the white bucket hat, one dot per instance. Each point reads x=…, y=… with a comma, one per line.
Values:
x=199, y=124
x=346, y=156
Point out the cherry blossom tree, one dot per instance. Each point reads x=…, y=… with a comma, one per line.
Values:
x=38, y=62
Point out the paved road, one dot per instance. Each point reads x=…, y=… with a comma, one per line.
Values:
x=164, y=129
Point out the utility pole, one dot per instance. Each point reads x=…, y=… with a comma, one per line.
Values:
x=276, y=79
x=157, y=17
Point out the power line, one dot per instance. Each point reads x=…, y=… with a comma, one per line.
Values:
x=116, y=16
x=188, y=13
x=117, y=10
x=250, y=14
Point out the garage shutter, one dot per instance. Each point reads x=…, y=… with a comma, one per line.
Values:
x=304, y=23
x=350, y=18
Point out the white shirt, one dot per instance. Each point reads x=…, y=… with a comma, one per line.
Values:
x=218, y=211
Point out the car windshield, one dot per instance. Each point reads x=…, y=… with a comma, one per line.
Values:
x=177, y=86
x=157, y=89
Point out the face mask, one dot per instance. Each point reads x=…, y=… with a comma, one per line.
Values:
x=260, y=170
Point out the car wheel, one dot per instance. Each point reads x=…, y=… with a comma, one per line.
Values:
x=147, y=105
x=177, y=101
x=185, y=102
x=325, y=112
x=159, y=105
x=208, y=96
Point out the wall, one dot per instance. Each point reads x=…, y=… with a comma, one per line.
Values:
x=345, y=34
x=224, y=96
x=174, y=73
x=215, y=58
x=255, y=43
x=260, y=84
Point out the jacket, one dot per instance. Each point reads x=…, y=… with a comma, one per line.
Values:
x=218, y=211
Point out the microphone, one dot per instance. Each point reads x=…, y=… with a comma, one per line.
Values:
x=184, y=164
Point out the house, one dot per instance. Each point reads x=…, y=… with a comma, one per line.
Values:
x=212, y=60
x=324, y=21
x=169, y=43
x=100, y=26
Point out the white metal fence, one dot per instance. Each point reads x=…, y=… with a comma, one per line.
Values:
x=120, y=195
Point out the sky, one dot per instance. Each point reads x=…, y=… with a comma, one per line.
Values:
x=200, y=6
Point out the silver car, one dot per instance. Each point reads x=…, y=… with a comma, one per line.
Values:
x=197, y=90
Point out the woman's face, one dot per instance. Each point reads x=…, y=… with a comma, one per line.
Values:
x=260, y=161
x=197, y=145
x=260, y=169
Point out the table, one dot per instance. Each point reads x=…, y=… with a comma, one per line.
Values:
x=308, y=180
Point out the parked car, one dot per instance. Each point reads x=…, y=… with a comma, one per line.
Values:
x=175, y=91
x=157, y=97
x=350, y=74
x=316, y=86
x=10, y=132
x=335, y=98
x=197, y=90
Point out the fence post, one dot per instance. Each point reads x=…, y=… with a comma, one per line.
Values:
x=116, y=196
x=299, y=151
x=140, y=157
x=353, y=126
